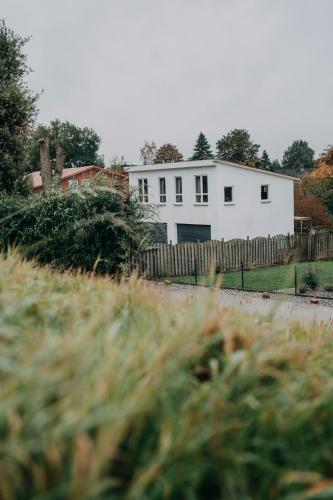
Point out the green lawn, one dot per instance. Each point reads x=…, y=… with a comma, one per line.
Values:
x=268, y=278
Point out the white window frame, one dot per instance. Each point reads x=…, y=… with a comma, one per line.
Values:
x=73, y=184
x=162, y=196
x=179, y=194
x=232, y=202
x=265, y=200
x=143, y=190
x=201, y=196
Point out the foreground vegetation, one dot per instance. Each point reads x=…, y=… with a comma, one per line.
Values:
x=108, y=391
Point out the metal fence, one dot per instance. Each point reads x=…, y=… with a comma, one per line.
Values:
x=297, y=264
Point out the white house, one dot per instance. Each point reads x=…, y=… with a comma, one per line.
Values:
x=213, y=199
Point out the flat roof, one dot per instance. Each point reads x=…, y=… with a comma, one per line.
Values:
x=203, y=163
x=170, y=166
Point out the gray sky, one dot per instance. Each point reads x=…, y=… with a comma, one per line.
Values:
x=165, y=69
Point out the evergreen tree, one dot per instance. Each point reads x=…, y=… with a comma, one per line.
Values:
x=299, y=156
x=17, y=111
x=202, y=149
x=275, y=165
x=238, y=147
x=265, y=161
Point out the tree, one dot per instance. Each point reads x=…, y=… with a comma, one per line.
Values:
x=45, y=163
x=17, y=111
x=275, y=165
x=80, y=145
x=265, y=161
x=313, y=207
x=99, y=230
x=202, y=150
x=168, y=154
x=326, y=158
x=237, y=147
x=50, y=178
x=148, y=153
x=299, y=156
x=319, y=183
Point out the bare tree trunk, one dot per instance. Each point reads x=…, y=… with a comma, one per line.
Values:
x=60, y=160
x=45, y=163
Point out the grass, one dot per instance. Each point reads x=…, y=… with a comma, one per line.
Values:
x=267, y=278
x=109, y=391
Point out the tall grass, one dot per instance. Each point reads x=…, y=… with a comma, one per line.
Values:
x=110, y=391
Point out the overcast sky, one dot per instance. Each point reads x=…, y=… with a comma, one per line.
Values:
x=164, y=70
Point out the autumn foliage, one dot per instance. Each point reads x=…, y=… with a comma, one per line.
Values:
x=326, y=158
x=313, y=207
x=318, y=184
x=168, y=153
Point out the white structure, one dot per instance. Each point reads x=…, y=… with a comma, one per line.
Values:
x=212, y=199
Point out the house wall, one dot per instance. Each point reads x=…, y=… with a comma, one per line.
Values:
x=246, y=216
x=80, y=177
x=188, y=212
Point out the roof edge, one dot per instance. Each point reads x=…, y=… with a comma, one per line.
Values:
x=260, y=170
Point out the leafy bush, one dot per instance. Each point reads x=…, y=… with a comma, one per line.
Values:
x=108, y=391
x=97, y=228
x=310, y=279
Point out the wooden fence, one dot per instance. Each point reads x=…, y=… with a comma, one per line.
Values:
x=223, y=256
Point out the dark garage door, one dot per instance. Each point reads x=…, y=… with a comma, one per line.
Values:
x=193, y=232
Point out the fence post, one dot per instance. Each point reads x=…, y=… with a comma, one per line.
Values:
x=196, y=268
x=154, y=264
x=242, y=273
x=296, y=280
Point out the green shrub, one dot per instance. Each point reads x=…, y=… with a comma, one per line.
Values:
x=97, y=228
x=109, y=392
x=310, y=278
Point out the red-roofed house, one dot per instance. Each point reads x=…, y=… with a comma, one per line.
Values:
x=76, y=177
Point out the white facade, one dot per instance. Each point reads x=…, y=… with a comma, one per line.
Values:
x=262, y=202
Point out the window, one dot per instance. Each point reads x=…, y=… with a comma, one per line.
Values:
x=179, y=190
x=201, y=189
x=162, y=190
x=228, y=194
x=73, y=184
x=264, y=192
x=86, y=183
x=143, y=190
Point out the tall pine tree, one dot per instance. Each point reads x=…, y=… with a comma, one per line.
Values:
x=202, y=149
x=17, y=111
x=265, y=161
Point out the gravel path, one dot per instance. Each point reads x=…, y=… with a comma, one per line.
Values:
x=283, y=307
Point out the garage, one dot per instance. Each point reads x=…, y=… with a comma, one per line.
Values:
x=193, y=232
